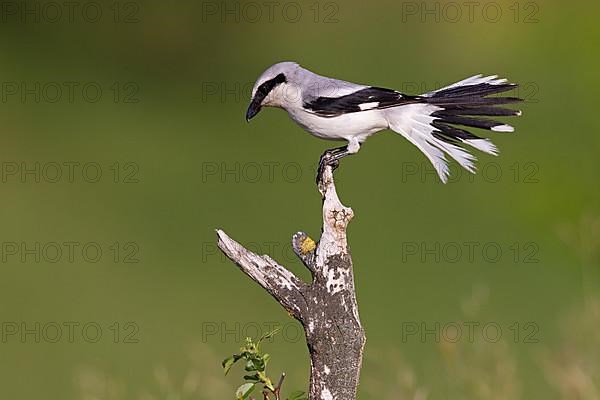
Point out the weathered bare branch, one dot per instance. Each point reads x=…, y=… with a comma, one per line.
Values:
x=327, y=307
x=282, y=284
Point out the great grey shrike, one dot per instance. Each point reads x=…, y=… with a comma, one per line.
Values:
x=337, y=110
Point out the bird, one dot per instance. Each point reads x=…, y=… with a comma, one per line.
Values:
x=436, y=122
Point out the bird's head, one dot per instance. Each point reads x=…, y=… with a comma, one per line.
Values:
x=274, y=88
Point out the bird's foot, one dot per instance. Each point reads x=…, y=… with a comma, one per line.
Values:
x=328, y=158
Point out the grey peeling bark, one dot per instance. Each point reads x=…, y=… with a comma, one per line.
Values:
x=326, y=307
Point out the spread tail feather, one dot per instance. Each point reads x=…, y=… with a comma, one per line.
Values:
x=430, y=123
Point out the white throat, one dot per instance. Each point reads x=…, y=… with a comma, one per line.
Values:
x=285, y=95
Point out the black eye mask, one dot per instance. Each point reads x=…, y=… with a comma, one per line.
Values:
x=264, y=89
x=262, y=92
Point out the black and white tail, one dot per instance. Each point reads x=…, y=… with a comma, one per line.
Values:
x=431, y=122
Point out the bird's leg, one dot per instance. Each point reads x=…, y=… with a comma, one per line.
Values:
x=331, y=157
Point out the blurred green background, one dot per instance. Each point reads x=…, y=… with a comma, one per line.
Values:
x=124, y=146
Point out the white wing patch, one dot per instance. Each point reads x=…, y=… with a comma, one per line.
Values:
x=368, y=106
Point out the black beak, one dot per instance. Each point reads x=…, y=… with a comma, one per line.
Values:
x=253, y=108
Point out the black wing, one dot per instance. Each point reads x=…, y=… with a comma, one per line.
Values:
x=370, y=98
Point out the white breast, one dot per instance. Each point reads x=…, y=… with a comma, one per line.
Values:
x=358, y=125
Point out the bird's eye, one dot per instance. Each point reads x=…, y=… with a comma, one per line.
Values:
x=264, y=89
